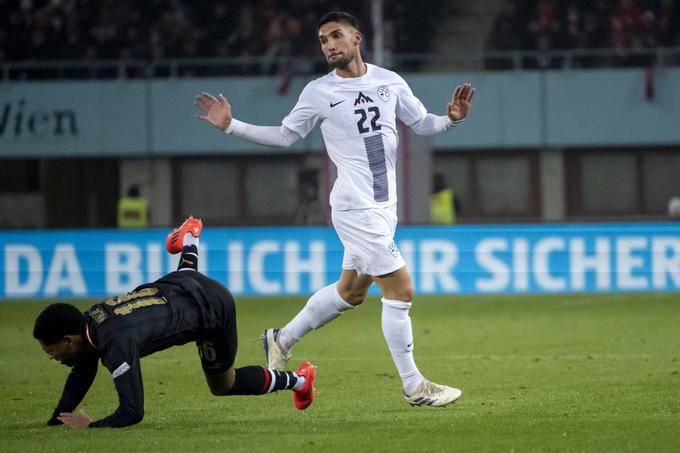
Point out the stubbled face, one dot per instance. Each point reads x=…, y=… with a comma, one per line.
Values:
x=339, y=43
x=66, y=351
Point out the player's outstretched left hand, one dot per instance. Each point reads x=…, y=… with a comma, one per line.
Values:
x=460, y=102
x=75, y=420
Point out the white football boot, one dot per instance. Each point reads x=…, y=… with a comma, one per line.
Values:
x=277, y=357
x=431, y=394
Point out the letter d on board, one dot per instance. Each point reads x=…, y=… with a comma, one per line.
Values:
x=15, y=254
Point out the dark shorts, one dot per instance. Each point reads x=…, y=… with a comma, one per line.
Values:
x=217, y=348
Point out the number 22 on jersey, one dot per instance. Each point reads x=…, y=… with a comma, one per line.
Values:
x=363, y=116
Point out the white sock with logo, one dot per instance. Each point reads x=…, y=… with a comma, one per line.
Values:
x=190, y=239
x=324, y=306
x=396, y=327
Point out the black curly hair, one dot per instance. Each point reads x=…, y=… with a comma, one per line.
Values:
x=57, y=321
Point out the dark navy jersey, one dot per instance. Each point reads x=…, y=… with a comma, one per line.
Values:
x=181, y=307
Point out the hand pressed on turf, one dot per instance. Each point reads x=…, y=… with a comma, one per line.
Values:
x=75, y=420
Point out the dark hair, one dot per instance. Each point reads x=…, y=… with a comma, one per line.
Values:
x=439, y=182
x=56, y=321
x=338, y=16
x=133, y=191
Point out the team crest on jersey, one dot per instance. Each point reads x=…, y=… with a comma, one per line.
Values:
x=384, y=93
x=362, y=99
x=392, y=247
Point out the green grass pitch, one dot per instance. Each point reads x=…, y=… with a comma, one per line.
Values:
x=538, y=373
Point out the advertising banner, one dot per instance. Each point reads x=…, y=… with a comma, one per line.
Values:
x=299, y=260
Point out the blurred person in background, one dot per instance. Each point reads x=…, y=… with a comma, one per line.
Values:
x=444, y=205
x=358, y=105
x=674, y=207
x=133, y=210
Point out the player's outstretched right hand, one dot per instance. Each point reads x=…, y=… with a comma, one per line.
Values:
x=217, y=109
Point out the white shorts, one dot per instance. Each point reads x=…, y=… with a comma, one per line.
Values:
x=368, y=238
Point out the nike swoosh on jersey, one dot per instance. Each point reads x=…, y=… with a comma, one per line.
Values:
x=333, y=105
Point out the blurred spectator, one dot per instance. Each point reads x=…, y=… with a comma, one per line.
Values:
x=669, y=22
x=444, y=204
x=674, y=207
x=133, y=210
x=507, y=29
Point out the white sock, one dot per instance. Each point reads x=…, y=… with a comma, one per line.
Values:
x=324, y=306
x=299, y=383
x=396, y=327
x=189, y=239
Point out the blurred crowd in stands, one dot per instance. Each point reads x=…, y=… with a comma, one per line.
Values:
x=277, y=32
x=623, y=25
x=279, y=36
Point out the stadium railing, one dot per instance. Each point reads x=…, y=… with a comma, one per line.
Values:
x=247, y=66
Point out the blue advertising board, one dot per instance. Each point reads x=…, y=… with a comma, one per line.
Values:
x=300, y=260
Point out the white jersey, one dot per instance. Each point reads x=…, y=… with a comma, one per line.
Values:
x=358, y=122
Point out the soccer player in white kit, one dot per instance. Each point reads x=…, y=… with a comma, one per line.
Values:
x=358, y=105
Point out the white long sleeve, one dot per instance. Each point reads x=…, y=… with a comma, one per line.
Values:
x=279, y=136
x=434, y=124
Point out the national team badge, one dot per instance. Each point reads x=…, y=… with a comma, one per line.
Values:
x=392, y=247
x=384, y=93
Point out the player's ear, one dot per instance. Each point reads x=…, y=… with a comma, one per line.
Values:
x=357, y=37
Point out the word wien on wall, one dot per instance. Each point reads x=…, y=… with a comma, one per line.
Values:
x=273, y=261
